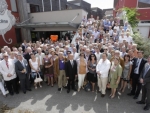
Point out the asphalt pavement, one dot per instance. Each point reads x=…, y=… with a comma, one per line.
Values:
x=49, y=100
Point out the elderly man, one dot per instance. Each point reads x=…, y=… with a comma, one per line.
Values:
x=71, y=72
x=62, y=75
x=22, y=70
x=102, y=70
x=7, y=68
x=145, y=81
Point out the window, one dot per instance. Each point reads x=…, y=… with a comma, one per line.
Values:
x=143, y=3
x=34, y=8
x=13, y=5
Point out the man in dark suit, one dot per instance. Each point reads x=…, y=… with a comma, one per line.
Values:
x=22, y=70
x=27, y=55
x=136, y=85
x=71, y=72
x=145, y=81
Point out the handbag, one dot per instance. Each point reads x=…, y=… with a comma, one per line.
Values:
x=88, y=86
x=38, y=79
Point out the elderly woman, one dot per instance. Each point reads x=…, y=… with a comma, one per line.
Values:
x=48, y=68
x=82, y=70
x=115, y=74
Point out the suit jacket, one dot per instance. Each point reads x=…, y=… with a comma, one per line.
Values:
x=27, y=57
x=71, y=71
x=133, y=66
x=58, y=65
x=146, y=78
x=5, y=70
x=143, y=61
x=19, y=67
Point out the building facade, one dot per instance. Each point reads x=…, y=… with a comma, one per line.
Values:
x=25, y=13
x=95, y=11
x=143, y=7
x=12, y=35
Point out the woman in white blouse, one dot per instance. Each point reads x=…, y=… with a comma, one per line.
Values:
x=35, y=68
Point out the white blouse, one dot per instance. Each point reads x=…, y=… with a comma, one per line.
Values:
x=34, y=64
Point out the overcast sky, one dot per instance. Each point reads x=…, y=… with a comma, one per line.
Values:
x=103, y=4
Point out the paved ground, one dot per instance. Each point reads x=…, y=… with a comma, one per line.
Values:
x=49, y=100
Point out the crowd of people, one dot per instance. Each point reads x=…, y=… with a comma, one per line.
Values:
x=101, y=54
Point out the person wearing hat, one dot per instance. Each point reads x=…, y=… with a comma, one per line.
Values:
x=7, y=68
x=22, y=70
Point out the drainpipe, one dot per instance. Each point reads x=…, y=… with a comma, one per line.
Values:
x=51, y=4
x=43, y=5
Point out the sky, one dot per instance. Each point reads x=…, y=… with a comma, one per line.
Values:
x=103, y=4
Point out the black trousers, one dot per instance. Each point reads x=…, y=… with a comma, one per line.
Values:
x=146, y=94
x=136, y=85
x=72, y=83
x=25, y=84
x=12, y=86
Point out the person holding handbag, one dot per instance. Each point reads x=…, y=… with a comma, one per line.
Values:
x=126, y=72
x=35, y=69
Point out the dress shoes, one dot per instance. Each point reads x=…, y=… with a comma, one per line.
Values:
x=140, y=102
x=11, y=94
x=29, y=89
x=135, y=97
x=65, y=87
x=102, y=95
x=17, y=92
x=68, y=91
x=24, y=92
x=146, y=108
x=75, y=89
x=59, y=89
x=130, y=94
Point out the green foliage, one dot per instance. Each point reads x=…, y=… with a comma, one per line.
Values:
x=131, y=14
x=143, y=44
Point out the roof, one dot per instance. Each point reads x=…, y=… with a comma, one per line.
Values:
x=48, y=25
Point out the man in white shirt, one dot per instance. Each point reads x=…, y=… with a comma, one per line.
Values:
x=128, y=38
x=7, y=68
x=75, y=54
x=96, y=34
x=102, y=70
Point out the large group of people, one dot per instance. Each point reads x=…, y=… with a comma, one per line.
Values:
x=101, y=55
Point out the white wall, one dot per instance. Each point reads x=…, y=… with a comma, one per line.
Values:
x=58, y=16
x=144, y=29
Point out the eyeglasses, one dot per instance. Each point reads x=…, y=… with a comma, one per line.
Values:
x=92, y=56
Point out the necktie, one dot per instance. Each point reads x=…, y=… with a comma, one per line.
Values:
x=137, y=64
x=7, y=64
x=72, y=63
x=146, y=70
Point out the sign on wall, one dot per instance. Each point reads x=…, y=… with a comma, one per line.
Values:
x=7, y=20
